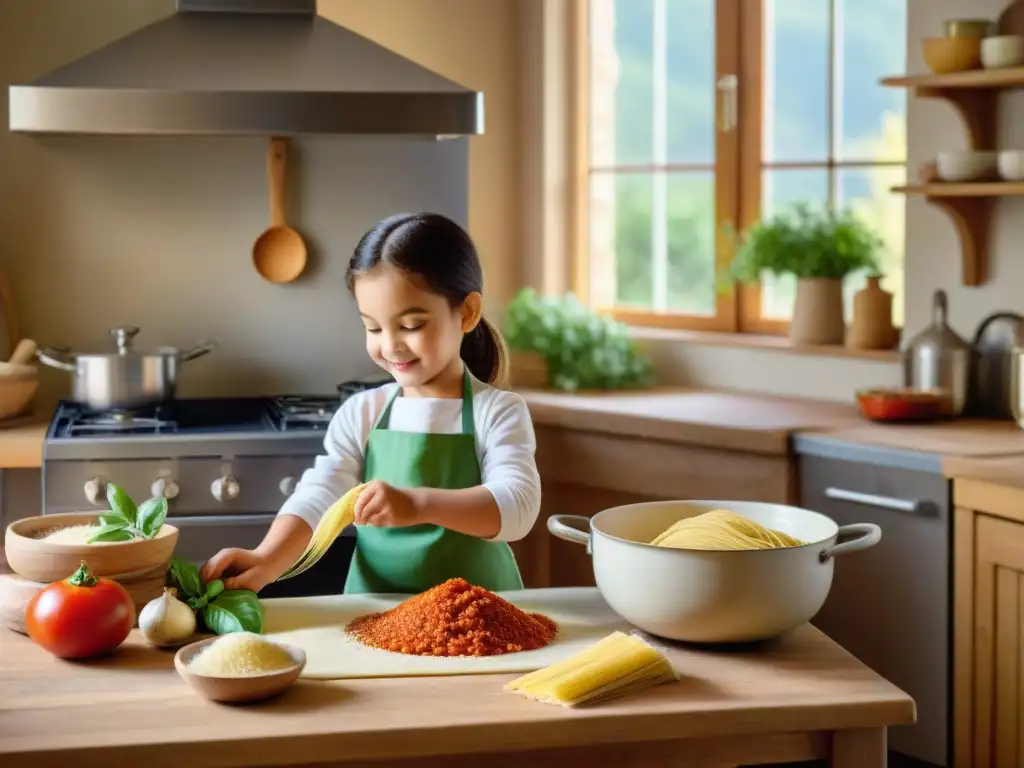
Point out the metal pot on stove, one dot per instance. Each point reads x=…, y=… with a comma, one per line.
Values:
x=125, y=378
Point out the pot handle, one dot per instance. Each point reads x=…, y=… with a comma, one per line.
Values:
x=198, y=350
x=558, y=528
x=54, y=359
x=866, y=536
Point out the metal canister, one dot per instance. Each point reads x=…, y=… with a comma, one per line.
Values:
x=939, y=359
x=992, y=370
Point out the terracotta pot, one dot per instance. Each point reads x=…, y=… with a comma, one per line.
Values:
x=529, y=370
x=818, y=312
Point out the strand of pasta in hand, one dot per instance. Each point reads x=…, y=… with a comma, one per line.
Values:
x=340, y=515
x=384, y=505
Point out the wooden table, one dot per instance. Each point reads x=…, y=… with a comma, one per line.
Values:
x=793, y=699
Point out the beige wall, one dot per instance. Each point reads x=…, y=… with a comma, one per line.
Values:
x=157, y=232
x=475, y=43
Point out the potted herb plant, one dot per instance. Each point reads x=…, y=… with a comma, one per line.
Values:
x=556, y=341
x=818, y=247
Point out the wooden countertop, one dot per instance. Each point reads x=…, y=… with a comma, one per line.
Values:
x=744, y=422
x=959, y=438
x=1002, y=470
x=994, y=485
x=133, y=709
x=729, y=420
x=761, y=423
x=21, y=445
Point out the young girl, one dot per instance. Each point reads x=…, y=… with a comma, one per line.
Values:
x=447, y=454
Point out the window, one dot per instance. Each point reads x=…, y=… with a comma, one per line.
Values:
x=700, y=116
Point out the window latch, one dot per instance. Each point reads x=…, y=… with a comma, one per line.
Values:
x=728, y=86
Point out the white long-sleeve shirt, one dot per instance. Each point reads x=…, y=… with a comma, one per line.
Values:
x=505, y=447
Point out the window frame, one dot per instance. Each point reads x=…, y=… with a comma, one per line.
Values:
x=739, y=161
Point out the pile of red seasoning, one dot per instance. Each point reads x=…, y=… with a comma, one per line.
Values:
x=454, y=619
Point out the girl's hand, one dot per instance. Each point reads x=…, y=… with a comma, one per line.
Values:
x=239, y=569
x=385, y=506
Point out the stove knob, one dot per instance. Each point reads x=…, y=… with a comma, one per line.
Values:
x=96, y=490
x=225, y=488
x=287, y=486
x=164, y=487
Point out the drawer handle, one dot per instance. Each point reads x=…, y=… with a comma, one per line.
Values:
x=871, y=500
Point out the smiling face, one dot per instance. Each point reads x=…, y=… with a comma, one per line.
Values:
x=413, y=333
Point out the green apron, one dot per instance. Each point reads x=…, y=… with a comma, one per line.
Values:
x=413, y=559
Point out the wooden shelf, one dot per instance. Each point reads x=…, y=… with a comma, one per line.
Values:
x=974, y=96
x=976, y=78
x=969, y=205
x=965, y=189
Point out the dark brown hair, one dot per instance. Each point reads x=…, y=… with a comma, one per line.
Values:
x=443, y=255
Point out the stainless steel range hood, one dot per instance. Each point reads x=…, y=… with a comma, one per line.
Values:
x=222, y=67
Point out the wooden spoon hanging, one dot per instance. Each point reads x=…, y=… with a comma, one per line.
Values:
x=279, y=254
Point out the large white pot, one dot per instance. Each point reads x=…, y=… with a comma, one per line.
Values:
x=713, y=596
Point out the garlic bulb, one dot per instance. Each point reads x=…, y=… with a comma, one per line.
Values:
x=166, y=621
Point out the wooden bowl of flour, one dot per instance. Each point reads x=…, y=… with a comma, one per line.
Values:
x=30, y=554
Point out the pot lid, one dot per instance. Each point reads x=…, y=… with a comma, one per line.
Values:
x=124, y=337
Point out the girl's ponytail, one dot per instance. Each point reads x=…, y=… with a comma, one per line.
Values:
x=486, y=355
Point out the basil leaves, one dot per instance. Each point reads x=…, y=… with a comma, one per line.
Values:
x=223, y=611
x=124, y=521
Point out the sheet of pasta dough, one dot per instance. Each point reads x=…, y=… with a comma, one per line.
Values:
x=317, y=625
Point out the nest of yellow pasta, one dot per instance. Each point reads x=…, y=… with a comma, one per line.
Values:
x=722, y=529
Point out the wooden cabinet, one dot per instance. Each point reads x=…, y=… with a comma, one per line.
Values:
x=584, y=472
x=988, y=626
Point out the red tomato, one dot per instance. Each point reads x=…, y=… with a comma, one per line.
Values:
x=81, y=616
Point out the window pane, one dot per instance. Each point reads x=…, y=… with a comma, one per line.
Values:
x=621, y=238
x=866, y=191
x=691, y=243
x=872, y=43
x=782, y=190
x=796, y=98
x=691, y=81
x=621, y=86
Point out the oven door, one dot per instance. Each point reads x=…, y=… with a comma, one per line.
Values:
x=202, y=536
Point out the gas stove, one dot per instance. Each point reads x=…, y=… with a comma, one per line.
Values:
x=214, y=416
x=190, y=427
x=187, y=427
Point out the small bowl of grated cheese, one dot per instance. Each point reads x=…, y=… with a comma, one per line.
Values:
x=239, y=667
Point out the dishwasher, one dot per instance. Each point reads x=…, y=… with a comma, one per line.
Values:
x=890, y=606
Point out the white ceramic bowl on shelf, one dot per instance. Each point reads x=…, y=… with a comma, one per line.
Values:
x=1011, y=165
x=1002, y=51
x=967, y=165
